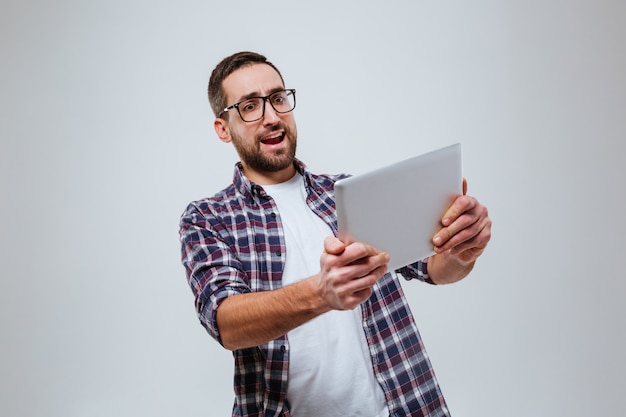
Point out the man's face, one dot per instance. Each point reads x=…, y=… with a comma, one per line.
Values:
x=267, y=147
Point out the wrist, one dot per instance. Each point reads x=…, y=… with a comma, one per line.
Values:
x=446, y=268
x=312, y=295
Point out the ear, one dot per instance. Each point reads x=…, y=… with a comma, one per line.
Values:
x=222, y=130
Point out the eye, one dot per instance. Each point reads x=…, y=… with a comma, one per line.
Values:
x=249, y=105
x=279, y=98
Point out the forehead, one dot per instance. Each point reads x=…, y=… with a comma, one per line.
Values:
x=256, y=79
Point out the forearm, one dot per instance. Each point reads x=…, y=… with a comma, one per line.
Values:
x=444, y=268
x=247, y=320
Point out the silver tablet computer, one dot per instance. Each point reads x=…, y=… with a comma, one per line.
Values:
x=398, y=208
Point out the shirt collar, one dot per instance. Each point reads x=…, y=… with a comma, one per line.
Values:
x=253, y=190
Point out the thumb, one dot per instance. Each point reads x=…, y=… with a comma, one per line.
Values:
x=333, y=246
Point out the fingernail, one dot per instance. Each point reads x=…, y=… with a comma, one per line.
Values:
x=437, y=240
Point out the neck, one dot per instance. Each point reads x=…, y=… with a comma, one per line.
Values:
x=269, y=178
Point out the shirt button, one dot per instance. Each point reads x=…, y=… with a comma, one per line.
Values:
x=283, y=348
x=273, y=215
x=278, y=253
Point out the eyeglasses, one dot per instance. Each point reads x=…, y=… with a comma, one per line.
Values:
x=253, y=108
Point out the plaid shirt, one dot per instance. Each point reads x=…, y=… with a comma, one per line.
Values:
x=233, y=243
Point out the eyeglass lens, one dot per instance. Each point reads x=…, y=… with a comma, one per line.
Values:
x=254, y=108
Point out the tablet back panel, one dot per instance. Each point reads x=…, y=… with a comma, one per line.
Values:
x=398, y=208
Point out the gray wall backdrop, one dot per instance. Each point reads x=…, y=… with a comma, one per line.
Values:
x=107, y=135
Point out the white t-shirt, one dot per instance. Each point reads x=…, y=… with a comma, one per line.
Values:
x=330, y=369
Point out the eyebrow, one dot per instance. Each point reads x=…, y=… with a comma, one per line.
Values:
x=257, y=94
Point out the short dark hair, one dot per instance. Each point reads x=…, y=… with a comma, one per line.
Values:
x=230, y=64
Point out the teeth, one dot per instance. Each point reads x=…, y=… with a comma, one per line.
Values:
x=272, y=137
x=275, y=136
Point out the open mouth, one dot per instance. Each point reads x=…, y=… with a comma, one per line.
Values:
x=274, y=140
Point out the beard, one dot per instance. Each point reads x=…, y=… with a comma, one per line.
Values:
x=254, y=157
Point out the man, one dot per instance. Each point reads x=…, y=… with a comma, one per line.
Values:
x=317, y=328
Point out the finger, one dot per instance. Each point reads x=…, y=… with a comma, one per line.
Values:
x=473, y=213
x=356, y=260
x=333, y=246
x=363, y=267
x=366, y=280
x=476, y=244
x=465, y=229
x=460, y=205
x=359, y=252
x=451, y=239
x=479, y=240
x=353, y=283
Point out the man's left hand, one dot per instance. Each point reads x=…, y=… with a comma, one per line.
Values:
x=466, y=230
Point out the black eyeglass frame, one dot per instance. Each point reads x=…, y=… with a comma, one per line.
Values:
x=289, y=91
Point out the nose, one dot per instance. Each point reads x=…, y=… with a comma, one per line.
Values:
x=270, y=116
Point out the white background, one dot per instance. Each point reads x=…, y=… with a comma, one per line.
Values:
x=107, y=135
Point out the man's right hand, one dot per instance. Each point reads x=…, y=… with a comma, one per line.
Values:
x=348, y=272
